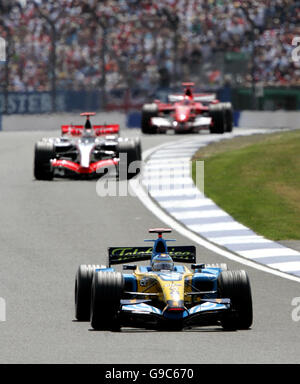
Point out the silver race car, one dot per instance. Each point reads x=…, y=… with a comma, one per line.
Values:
x=87, y=151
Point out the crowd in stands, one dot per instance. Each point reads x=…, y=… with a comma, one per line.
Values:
x=146, y=43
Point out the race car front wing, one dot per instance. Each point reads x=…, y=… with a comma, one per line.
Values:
x=163, y=123
x=78, y=169
x=208, y=312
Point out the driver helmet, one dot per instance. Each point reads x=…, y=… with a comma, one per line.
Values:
x=188, y=92
x=162, y=262
x=88, y=127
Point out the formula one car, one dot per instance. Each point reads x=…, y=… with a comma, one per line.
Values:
x=83, y=151
x=188, y=112
x=161, y=295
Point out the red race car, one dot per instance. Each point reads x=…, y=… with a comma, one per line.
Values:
x=187, y=112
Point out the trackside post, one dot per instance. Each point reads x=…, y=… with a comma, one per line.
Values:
x=2, y=310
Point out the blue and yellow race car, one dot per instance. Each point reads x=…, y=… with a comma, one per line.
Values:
x=162, y=295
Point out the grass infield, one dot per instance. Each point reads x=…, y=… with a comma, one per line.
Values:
x=256, y=179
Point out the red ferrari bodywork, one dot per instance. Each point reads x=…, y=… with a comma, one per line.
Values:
x=185, y=108
x=186, y=105
x=187, y=112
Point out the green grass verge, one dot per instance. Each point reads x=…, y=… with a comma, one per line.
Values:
x=257, y=181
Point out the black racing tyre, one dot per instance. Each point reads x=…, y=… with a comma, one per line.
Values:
x=43, y=153
x=217, y=113
x=128, y=153
x=148, y=111
x=83, y=286
x=107, y=291
x=222, y=266
x=235, y=285
x=228, y=116
x=138, y=146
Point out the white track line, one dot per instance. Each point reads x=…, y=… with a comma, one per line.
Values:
x=199, y=214
x=169, y=181
x=189, y=203
x=167, y=166
x=240, y=240
x=188, y=192
x=288, y=267
x=269, y=252
x=221, y=226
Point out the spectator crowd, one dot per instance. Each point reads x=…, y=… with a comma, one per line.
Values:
x=145, y=44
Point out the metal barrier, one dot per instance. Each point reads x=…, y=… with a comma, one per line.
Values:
x=32, y=103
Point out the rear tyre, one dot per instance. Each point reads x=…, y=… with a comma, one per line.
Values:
x=149, y=111
x=129, y=152
x=83, y=285
x=107, y=291
x=228, y=116
x=217, y=113
x=235, y=285
x=43, y=153
x=138, y=146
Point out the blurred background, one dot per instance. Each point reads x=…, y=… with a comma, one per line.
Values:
x=71, y=55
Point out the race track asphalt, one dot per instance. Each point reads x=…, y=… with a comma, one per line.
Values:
x=48, y=228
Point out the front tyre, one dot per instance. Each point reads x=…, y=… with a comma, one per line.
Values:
x=83, y=286
x=107, y=291
x=43, y=154
x=138, y=146
x=129, y=153
x=235, y=285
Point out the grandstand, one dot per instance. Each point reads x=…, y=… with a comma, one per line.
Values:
x=115, y=44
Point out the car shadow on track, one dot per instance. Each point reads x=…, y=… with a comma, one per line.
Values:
x=142, y=330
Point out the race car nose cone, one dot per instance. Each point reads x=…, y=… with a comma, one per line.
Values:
x=85, y=150
x=174, y=310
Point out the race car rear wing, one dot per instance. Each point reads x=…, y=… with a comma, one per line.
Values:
x=111, y=129
x=200, y=98
x=99, y=130
x=205, y=98
x=124, y=255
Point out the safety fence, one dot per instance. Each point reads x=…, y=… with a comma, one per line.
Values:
x=125, y=100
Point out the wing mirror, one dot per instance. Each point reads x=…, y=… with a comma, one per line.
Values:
x=129, y=267
x=198, y=266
